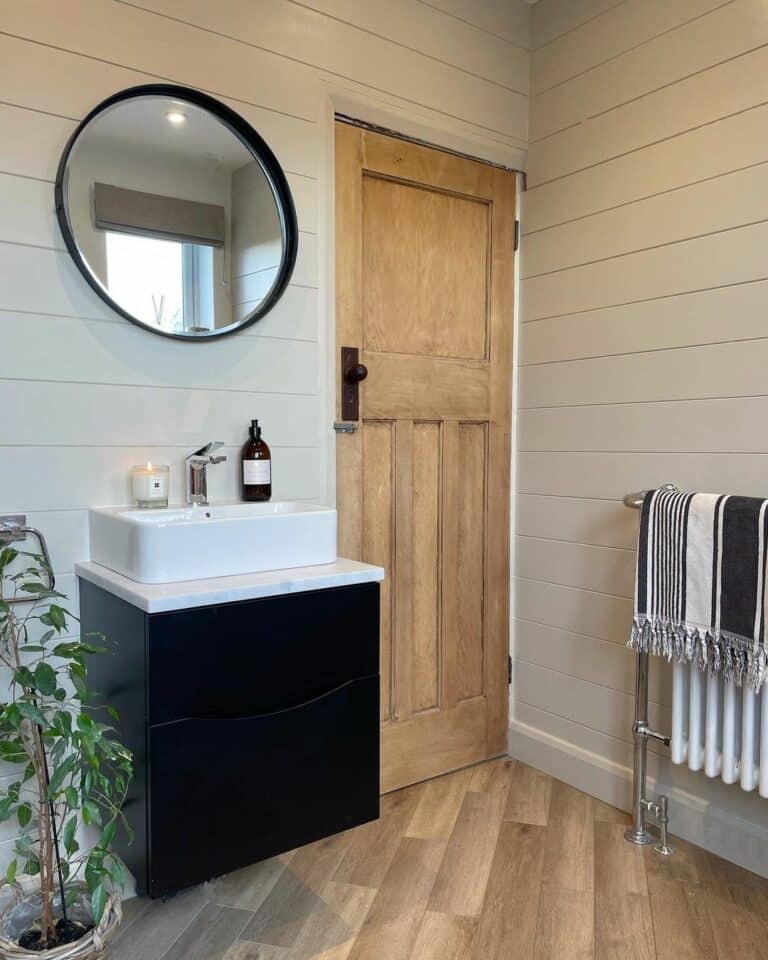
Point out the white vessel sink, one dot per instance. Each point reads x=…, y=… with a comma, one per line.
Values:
x=195, y=543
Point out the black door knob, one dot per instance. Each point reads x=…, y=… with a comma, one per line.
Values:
x=356, y=373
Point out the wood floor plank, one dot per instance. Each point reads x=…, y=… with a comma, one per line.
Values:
x=737, y=907
x=396, y=914
x=605, y=813
x=507, y=926
x=159, y=927
x=297, y=894
x=331, y=931
x=439, y=806
x=442, y=937
x=681, y=924
x=529, y=797
x=460, y=885
x=247, y=950
x=623, y=923
x=372, y=846
x=210, y=935
x=247, y=889
x=565, y=923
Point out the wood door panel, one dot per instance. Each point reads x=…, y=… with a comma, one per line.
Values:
x=425, y=256
x=417, y=302
x=470, y=515
x=427, y=469
x=425, y=389
x=378, y=535
x=425, y=165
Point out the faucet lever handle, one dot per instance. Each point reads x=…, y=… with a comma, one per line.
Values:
x=217, y=460
x=208, y=448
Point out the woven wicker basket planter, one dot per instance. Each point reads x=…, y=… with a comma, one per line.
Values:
x=92, y=946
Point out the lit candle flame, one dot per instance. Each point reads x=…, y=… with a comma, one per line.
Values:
x=149, y=464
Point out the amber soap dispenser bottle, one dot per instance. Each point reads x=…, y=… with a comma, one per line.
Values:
x=257, y=467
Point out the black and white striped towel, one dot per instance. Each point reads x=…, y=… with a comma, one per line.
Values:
x=700, y=585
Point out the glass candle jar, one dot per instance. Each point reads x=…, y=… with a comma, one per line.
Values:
x=149, y=486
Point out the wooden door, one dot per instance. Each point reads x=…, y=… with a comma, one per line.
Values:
x=424, y=287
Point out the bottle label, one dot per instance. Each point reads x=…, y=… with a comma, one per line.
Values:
x=257, y=471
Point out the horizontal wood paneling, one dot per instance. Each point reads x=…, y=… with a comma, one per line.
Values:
x=717, y=426
x=709, y=95
x=327, y=44
x=651, y=325
x=713, y=370
x=643, y=344
x=504, y=18
x=92, y=476
x=580, y=611
x=608, y=664
x=731, y=257
x=607, y=570
x=604, y=37
x=731, y=143
x=608, y=476
x=732, y=200
x=601, y=523
x=48, y=412
x=552, y=18
x=600, y=708
x=418, y=26
x=695, y=35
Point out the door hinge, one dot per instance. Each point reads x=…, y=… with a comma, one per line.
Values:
x=517, y=234
x=509, y=670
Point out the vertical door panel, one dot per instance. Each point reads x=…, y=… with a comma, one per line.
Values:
x=378, y=533
x=425, y=664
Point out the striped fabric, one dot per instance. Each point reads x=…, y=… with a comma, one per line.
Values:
x=700, y=583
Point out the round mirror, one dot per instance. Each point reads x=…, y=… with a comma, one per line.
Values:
x=176, y=212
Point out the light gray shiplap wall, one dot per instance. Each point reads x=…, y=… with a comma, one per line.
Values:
x=83, y=394
x=643, y=343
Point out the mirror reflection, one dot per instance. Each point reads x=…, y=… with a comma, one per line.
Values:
x=175, y=219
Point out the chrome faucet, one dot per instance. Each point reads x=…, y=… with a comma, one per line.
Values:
x=197, y=464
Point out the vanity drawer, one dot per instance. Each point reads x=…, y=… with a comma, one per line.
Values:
x=227, y=792
x=259, y=656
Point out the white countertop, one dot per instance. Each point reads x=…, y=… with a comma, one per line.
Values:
x=164, y=597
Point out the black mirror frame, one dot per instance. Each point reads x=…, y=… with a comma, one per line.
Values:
x=255, y=145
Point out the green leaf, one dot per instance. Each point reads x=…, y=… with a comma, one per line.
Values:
x=10, y=873
x=7, y=556
x=45, y=679
x=107, y=835
x=24, y=676
x=91, y=812
x=32, y=712
x=6, y=808
x=77, y=676
x=62, y=771
x=68, y=836
x=55, y=617
x=73, y=798
x=113, y=713
x=24, y=815
x=98, y=902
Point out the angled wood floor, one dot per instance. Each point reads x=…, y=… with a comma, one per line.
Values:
x=499, y=861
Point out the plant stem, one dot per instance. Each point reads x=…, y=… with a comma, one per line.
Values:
x=55, y=832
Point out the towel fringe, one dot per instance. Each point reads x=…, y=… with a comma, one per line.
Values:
x=736, y=657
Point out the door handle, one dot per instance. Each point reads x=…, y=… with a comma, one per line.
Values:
x=356, y=373
x=352, y=374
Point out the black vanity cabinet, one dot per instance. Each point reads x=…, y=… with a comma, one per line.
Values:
x=254, y=725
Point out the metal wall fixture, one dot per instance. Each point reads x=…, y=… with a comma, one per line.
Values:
x=642, y=733
x=14, y=528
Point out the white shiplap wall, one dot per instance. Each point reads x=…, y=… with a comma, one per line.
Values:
x=83, y=394
x=643, y=350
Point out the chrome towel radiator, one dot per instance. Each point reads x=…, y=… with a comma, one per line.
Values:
x=14, y=528
x=642, y=733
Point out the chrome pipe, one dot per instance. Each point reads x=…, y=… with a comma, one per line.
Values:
x=638, y=833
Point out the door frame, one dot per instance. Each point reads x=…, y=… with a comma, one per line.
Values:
x=444, y=133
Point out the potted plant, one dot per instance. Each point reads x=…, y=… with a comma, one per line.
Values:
x=64, y=901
